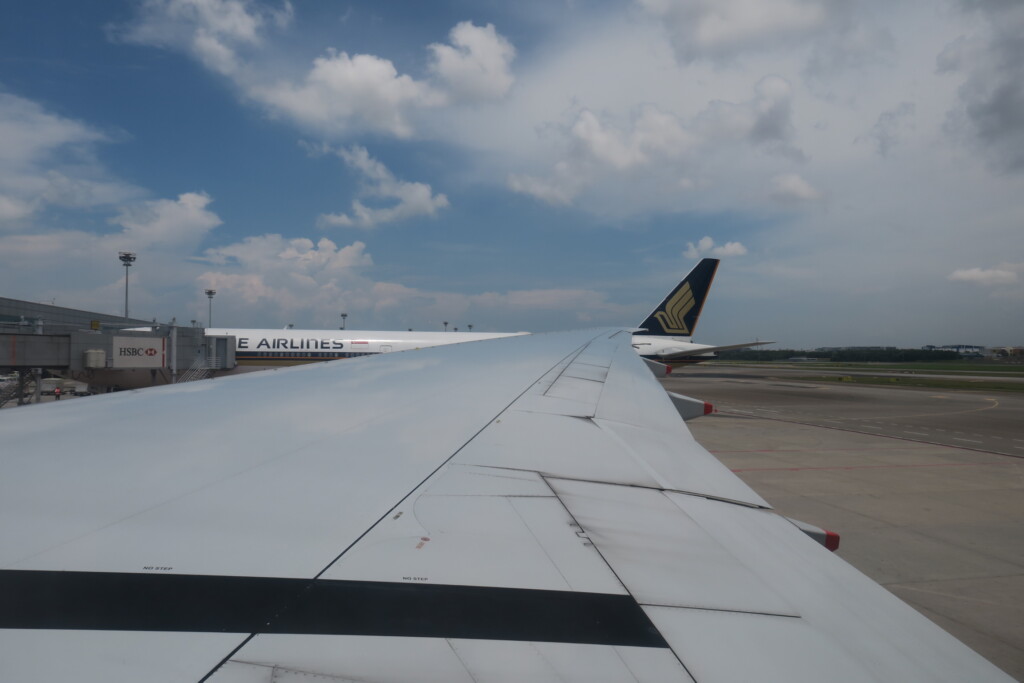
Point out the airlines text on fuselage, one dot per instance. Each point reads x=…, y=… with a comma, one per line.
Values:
x=292, y=344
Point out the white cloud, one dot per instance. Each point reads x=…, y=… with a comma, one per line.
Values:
x=660, y=147
x=210, y=30
x=654, y=134
x=166, y=222
x=476, y=65
x=277, y=280
x=1003, y=275
x=561, y=189
x=410, y=199
x=790, y=187
x=706, y=247
x=595, y=147
x=276, y=253
x=343, y=94
x=603, y=144
x=48, y=159
x=163, y=232
x=339, y=95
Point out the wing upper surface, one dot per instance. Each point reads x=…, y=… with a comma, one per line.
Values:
x=434, y=515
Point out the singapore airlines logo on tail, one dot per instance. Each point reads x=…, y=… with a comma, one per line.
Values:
x=676, y=308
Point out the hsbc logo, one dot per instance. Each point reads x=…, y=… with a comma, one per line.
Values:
x=136, y=351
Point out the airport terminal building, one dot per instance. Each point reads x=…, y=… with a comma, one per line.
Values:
x=104, y=351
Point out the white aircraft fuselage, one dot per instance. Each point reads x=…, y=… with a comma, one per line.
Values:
x=260, y=349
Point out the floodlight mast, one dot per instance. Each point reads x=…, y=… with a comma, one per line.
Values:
x=127, y=258
x=209, y=316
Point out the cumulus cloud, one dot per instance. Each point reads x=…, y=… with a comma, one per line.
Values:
x=48, y=159
x=706, y=247
x=287, y=278
x=476, y=66
x=1002, y=275
x=164, y=233
x=991, y=106
x=274, y=253
x=279, y=280
x=791, y=188
x=409, y=199
x=211, y=31
x=167, y=222
x=343, y=93
x=340, y=93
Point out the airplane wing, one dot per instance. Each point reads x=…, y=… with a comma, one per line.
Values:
x=529, y=508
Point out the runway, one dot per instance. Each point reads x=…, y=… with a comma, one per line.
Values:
x=925, y=487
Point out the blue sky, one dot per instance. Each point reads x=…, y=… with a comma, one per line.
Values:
x=858, y=167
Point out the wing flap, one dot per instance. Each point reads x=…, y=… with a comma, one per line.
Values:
x=452, y=533
x=555, y=445
x=647, y=540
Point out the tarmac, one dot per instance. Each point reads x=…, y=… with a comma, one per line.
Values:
x=925, y=487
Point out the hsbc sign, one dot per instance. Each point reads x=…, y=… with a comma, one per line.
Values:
x=139, y=352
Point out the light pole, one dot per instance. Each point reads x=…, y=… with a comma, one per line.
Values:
x=344, y=318
x=209, y=295
x=127, y=258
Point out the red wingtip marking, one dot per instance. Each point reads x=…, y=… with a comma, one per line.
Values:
x=708, y=408
x=831, y=540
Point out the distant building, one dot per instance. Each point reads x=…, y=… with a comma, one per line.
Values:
x=962, y=349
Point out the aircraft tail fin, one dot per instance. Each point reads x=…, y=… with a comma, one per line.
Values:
x=677, y=315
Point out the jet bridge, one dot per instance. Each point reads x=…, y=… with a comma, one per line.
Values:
x=105, y=351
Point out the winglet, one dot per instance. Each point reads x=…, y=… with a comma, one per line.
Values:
x=677, y=315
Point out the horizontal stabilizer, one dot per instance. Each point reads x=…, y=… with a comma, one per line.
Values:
x=712, y=349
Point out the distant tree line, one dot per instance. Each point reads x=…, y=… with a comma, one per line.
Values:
x=891, y=355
